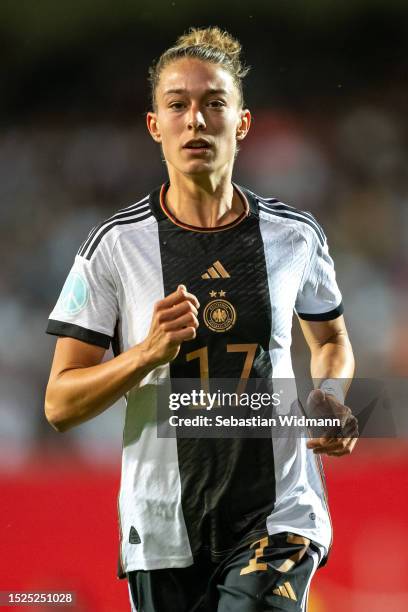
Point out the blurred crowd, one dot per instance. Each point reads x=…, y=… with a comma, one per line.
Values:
x=58, y=179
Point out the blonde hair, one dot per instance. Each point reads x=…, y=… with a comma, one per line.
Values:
x=209, y=45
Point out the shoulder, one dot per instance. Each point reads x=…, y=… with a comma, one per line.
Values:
x=106, y=233
x=272, y=210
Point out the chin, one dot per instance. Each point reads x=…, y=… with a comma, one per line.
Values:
x=198, y=168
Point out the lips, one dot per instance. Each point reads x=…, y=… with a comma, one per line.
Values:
x=197, y=143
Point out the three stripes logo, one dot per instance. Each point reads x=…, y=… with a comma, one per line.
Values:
x=217, y=270
x=285, y=590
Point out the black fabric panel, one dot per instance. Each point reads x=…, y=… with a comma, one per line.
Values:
x=59, y=328
x=227, y=485
x=324, y=316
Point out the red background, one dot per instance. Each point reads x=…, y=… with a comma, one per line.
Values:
x=59, y=532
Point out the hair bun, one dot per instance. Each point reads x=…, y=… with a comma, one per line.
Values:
x=211, y=37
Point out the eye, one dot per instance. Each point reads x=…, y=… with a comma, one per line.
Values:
x=176, y=105
x=216, y=103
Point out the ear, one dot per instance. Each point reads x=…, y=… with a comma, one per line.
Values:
x=244, y=124
x=153, y=126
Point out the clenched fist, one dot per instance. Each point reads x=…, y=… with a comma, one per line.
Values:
x=174, y=321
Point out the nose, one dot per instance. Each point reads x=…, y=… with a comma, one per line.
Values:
x=195, y=119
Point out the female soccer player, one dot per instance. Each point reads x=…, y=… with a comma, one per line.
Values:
x=200, y=279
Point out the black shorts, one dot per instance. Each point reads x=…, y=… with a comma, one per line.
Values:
x=271, y=574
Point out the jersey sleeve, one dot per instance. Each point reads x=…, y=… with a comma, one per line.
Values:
x=319, y=298
x=87, y=308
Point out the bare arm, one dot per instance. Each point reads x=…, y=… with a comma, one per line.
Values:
x=331, y=358
x=81, y=387
x=331, y=352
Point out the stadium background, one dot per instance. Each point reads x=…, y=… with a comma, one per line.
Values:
x=328, y=91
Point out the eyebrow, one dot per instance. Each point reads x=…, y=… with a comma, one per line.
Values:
x=183, y=91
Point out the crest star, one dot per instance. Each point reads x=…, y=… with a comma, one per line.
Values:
x=213, y=294
x=222, y=293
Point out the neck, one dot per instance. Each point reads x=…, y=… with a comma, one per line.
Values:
x=206, y=202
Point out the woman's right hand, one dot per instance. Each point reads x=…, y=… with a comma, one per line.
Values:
x=174, y=321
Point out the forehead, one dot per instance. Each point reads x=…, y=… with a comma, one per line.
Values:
x=195, y=76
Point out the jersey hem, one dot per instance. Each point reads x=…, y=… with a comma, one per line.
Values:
x=61, y=328
x=180, y=562
x=158, y=563
x=322, y=316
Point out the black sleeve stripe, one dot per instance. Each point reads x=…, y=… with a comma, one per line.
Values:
x=323, y=316
x=120, y=215
x=95, y=235
x=302, y=213
x=275, y=205
x=88, y=250
x=59, y=328
x=280, y=205
x=295, y=217
x=123, y=212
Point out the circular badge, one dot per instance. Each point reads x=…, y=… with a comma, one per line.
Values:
x=219, y=315
x=74, y=295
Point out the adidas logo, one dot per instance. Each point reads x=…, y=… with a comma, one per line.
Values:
x=217, y=270
x=285, y=590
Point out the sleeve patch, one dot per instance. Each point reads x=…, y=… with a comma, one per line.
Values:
x=74, y=295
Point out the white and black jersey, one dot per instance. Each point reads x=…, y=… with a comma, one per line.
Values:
x=179, y=496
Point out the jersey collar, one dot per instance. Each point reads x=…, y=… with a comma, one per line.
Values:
x=160, y=211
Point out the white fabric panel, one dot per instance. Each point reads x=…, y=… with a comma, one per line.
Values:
x=150, y=491
x=300, y=503
x=318, y=292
